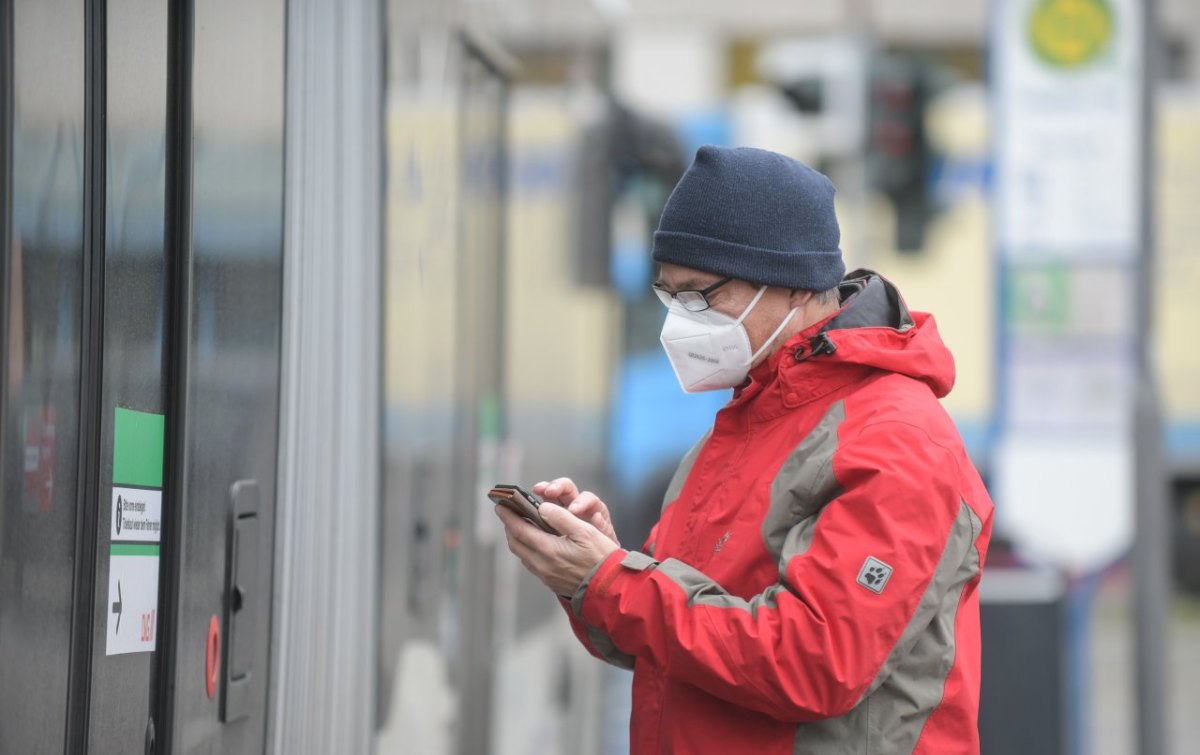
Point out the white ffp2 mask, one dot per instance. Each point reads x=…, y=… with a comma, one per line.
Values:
x=710, y=350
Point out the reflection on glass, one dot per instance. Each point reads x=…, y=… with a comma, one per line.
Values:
x=232, y=409
x=442, y=368
x=134, y=301
x=40, y=375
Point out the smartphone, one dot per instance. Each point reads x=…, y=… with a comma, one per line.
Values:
x=522, y=502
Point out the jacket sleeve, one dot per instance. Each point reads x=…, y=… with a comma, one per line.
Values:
x=595, y=640
x=813, y=644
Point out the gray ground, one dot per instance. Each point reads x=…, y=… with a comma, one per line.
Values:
x=1112, y=723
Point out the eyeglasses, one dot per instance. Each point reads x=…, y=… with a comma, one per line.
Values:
x=692, y=301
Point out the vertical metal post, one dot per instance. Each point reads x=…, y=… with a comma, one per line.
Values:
x=321, y=696
x=91, y=370
x=177, y=231
x=1151, y=544
x=852, y=177
x=7, y=59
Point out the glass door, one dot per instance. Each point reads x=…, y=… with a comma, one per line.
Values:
x=42, y=115
x=141, y=187
x=128, y=409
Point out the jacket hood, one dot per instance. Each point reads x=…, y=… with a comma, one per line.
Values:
x=874, y=328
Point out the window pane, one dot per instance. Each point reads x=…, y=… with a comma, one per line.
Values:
x=39, y=374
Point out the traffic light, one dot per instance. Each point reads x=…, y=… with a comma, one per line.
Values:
x=898, y=153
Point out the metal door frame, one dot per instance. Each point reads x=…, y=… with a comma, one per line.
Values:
x=91, y=373
x=176, y=247
x=476, y=588
x=6, y=118
x=331, y=382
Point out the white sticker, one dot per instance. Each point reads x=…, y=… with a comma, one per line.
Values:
x=136, y=515
x=874, y=574
x=132, y=598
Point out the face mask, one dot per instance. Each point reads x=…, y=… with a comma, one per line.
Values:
x=710, y=350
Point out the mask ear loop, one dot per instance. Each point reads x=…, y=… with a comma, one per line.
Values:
x=750, y=306
x=771, y=340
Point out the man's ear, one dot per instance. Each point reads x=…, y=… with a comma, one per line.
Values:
x=798, y=297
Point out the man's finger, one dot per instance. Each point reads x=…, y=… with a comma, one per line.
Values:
x=561, y=490
x=565, y=522
x=521, y=535
x=584, y=504
x=507, y=515
x=516, y=526
x=530, y=558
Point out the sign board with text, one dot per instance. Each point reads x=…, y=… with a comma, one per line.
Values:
x=1067, y=78
x=134, y=533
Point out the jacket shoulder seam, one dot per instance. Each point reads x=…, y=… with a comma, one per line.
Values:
x=922, y=430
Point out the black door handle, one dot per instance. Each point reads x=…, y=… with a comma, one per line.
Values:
x=243, y=604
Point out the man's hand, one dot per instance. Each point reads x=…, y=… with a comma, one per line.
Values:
x=584, y=505
x=560, y=562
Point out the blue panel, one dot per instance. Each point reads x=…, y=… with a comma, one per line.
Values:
x=654, y=422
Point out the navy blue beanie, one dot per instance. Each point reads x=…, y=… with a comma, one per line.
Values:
x=753, y=215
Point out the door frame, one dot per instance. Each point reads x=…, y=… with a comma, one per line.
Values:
x=91, y=373
x=177, y=248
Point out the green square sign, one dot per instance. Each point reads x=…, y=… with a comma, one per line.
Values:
x=138, y=448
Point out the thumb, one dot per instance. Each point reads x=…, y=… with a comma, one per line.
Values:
x=562, y=520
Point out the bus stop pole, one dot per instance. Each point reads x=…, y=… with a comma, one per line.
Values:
x=1151, y=548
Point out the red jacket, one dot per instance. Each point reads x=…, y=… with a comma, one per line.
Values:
x=811, y=585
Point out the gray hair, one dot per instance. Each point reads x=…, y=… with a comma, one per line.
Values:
x=828, y=296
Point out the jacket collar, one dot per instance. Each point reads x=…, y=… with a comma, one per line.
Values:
x=806, y=368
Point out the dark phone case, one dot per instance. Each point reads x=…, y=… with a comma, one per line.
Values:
x=522, y=502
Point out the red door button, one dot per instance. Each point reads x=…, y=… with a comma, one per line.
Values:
x=212, y=663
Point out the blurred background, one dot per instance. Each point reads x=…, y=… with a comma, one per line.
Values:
x=369, y=258
x=989, y=158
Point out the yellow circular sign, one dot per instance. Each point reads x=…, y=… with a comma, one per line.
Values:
x=1070, y=33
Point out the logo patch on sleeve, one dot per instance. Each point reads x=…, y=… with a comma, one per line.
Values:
x=874, y=574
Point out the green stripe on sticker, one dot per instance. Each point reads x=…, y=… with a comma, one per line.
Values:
x=134, y=549
x=138, y=448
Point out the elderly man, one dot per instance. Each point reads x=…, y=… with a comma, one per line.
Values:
x=811, y=584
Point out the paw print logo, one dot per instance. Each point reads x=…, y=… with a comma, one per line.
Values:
x=874, y=574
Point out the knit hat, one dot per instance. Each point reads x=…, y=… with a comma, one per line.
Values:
x=753, y=215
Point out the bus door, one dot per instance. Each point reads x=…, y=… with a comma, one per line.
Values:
x=140, y=270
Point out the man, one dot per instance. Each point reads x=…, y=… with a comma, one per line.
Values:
x=811, y=585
